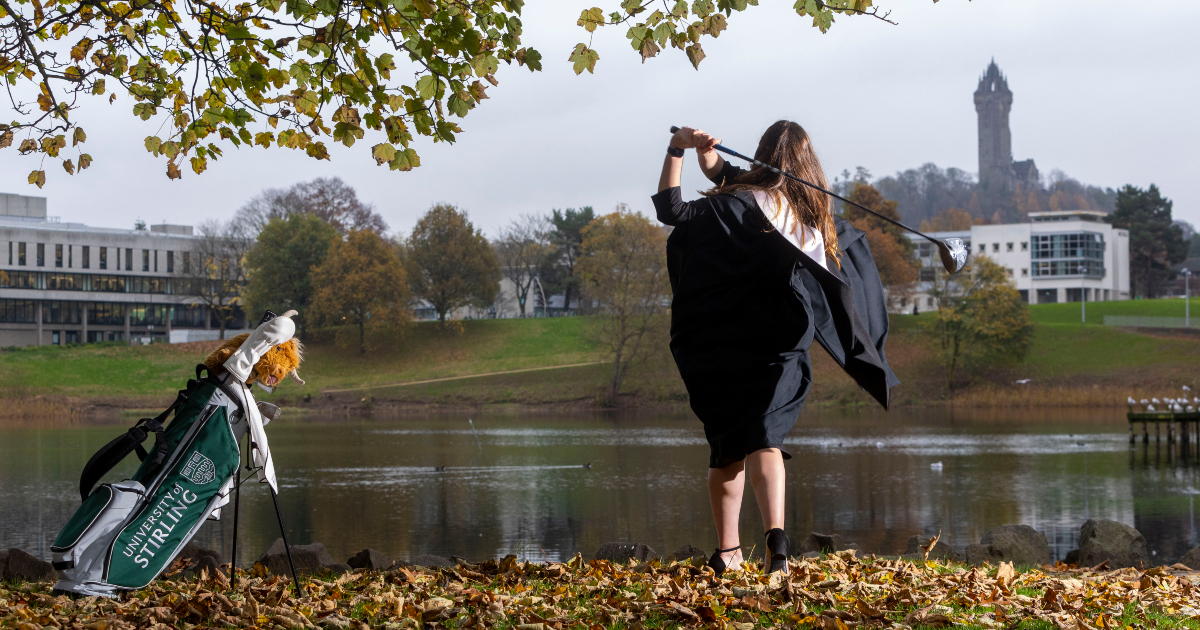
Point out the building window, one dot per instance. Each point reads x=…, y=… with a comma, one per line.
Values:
x=70, y=256
x=65, y=281
x=19, y=280
x=1025, y=246
x=21, y=254
x=1008, y=271
x=18, y=311
x=104, y=258
x=41, y=254
x=1024, y=295
x=85, y=256
x=58, y=257
x=995, y=248
x=1024, y=273
x=109, y=284
x=929, y=302
x=156, y=261
x=1047, y=296
x=128, y=259
x=1070, y=254
x=170, y=262
x=145, y=260
x=982, y=248
x=1008, y=247
x=187, y=262
x=10, y=253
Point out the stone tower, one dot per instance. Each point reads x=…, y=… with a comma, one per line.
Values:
x=993, y=100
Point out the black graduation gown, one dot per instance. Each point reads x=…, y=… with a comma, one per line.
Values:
x=747, y=305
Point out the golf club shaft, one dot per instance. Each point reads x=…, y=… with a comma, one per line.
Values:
x=729, y=151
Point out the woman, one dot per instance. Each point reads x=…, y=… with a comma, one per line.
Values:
x=760, y=266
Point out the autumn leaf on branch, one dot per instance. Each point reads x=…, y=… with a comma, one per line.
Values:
x=218, y=74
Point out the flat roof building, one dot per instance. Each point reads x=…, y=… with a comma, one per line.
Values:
x=1060, y=256
x=66, y=283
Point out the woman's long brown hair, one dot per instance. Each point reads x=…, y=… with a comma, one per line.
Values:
x=786, y=146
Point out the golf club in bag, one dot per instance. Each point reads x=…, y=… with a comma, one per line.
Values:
x=951, y=250
x=126, y=533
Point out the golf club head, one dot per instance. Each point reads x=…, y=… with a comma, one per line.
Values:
x=954, y=254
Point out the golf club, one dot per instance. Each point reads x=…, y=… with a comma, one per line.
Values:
x=952, y=250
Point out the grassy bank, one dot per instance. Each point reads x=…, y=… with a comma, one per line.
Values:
x=1070, y=364
x=833, y=593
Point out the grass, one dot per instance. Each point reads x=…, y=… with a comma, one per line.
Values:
x=1070, y=364
x=1068, y=312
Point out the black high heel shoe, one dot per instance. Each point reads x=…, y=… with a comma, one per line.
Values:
x=779, y=545
x=717, y=562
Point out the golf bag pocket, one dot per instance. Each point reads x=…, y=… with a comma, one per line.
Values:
x=78, y=552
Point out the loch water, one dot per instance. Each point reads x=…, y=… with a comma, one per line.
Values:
x=546, y=486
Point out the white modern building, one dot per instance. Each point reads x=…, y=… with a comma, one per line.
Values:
x=1060, y=256
x=66, y=283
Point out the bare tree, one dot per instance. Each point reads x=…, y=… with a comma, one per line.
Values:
x=328, y=198
x=623, y=265
x=522, y=250
x=215, y=274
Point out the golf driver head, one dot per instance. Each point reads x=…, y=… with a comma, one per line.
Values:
x=954, y=254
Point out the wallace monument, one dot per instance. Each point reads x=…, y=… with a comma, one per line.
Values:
x=998, y=173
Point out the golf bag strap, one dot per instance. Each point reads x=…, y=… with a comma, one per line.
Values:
x=120, y=447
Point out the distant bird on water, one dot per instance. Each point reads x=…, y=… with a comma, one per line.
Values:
x=1023, y=381
x=1132, y=401
x=1149, y=407
x=1155, y=401
x=1190, y=409
x=1145, y=402
x=1177, y=408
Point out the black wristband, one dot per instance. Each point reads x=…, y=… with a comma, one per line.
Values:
x=674, y=152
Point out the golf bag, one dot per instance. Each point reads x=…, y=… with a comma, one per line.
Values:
x=125, y=534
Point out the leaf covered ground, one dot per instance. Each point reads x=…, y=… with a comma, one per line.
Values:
x=836, y=592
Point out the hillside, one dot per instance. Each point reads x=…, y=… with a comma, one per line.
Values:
x=542, y=362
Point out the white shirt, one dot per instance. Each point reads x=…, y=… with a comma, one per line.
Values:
x=803, y=237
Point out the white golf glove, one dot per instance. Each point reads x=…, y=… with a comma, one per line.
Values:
x=266, y=336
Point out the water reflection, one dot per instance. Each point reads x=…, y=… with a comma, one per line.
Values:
x=547, y=487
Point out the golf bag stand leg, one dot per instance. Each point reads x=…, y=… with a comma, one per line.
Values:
x=286, y=546
x=237, y=501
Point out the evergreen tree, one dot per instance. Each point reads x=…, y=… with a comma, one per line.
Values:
x=1155, y=242
x=559, y=275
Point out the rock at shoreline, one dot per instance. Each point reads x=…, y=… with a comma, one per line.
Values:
x=1121, y=545
x=201, y=564
x=1190, y=559
x=194, y=552
x=431, y=561
x=687, y=552
x=623, y=552
x=3, y=562
x=311, y=558
x=821, y=543
x=940, y=551
x=370, y=559
x=22, y=567
x=1018, y=544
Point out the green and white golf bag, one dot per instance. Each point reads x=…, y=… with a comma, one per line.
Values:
x=126, y=533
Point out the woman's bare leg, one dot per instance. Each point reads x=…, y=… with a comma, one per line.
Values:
x=725, y=488
x=767, y=476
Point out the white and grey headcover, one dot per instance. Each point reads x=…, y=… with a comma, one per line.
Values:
x=268, y=335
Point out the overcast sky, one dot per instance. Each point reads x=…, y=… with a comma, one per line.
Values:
x=1105, y=91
